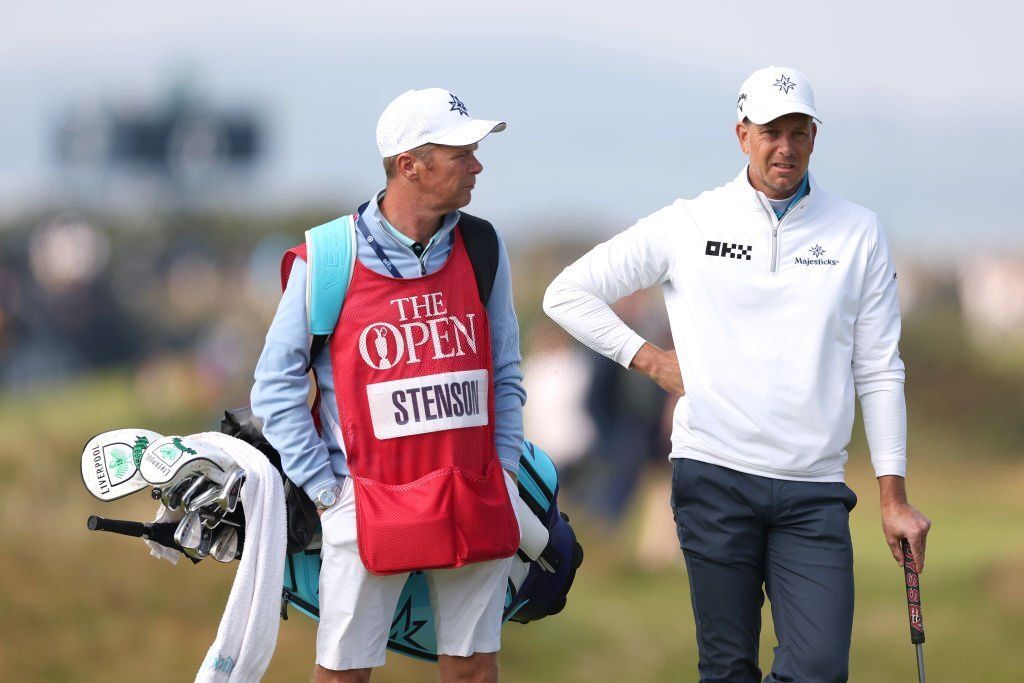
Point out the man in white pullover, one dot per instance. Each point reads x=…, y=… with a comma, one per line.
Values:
x=782, y=300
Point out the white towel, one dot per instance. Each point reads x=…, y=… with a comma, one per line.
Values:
x=161, y=552
x=247, y=634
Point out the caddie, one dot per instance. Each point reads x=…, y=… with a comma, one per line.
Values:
x=421, y=403
x=782, y=300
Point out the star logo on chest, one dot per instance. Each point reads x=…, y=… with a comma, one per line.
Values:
x=817, y=251
x=784, y=84
x=457, y=105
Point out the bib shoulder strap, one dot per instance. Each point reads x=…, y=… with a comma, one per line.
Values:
x=481, y=242
x=331, y=252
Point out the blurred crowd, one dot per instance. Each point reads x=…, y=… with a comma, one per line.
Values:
x=181, y=303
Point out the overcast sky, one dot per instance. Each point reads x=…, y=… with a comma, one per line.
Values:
x=612, y=113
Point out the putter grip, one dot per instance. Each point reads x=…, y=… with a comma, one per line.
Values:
x=117, y=526
x=913, y=594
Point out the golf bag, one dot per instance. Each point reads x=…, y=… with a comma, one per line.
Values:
x=536, y=587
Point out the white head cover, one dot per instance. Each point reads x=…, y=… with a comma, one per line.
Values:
x=110, y=462
x=773, y=92
x=434, y=115
x=172, y=458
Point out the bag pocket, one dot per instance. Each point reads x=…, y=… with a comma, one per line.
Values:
x=405, y=527
x=485, y=522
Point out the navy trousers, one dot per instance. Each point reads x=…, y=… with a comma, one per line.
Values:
x=740, y=533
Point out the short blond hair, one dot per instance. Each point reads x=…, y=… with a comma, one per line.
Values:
x=422, y=152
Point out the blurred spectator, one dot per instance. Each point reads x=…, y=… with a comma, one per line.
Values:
x=628, y=412
x=556, y=376
x=992, y=296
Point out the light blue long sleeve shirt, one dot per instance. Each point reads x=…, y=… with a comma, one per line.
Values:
x=279, y=395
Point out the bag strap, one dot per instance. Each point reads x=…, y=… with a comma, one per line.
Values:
x=481, y=242
x=330, y=259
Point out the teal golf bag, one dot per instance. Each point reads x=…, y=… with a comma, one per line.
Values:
x=536, y=587
x=540, y=578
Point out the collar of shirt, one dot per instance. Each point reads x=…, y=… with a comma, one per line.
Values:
x=374, y=217
x=758, y=200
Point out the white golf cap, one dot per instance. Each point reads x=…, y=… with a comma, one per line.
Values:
x=435, y=115
x=773, y=92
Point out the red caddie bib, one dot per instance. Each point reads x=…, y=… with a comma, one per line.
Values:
x=413, y=378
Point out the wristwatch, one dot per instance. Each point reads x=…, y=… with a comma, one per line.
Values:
x=328, y=498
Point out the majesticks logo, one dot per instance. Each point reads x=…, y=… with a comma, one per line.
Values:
x=817, y=252
x=727, y=250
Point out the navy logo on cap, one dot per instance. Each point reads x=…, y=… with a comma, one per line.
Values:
x=784, y=84
x=741, y=100
x=458, y=106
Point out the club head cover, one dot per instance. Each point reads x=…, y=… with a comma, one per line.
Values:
x=174, y=457
x=111, y=461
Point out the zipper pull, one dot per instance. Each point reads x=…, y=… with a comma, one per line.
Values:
x=418, y=250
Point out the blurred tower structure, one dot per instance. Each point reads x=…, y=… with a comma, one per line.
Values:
x=178, y=153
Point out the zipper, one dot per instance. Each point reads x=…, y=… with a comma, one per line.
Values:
x=421, y=258
x=776, y=225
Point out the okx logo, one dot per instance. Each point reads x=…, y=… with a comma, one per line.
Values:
x=728, y=250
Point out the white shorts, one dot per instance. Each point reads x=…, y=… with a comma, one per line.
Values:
x=357, y=607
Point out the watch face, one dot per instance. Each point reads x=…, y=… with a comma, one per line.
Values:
x=327, y=498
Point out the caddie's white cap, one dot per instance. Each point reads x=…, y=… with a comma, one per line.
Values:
x=773, y=92
x=435, y=115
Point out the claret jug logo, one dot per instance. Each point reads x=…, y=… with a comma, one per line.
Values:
x=423, y=329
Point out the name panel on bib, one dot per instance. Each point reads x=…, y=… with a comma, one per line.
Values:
x=432, y=403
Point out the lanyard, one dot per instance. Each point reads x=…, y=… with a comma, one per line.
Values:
x=375, y=245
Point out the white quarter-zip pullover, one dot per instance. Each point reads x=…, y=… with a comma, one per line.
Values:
x=776, y=323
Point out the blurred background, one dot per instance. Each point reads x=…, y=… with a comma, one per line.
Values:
x=155, y=161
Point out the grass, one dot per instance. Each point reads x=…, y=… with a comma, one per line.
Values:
x=79, y=606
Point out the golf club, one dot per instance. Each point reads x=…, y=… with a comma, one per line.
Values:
x=204, y=498
x=225, y=497
x=200, y=483
x=913, y=581
x=171, y=496
x=213, y=515
x=205, y=543
x=189, y=532
x=232, y=490
x=159, y=532
x=225, y=544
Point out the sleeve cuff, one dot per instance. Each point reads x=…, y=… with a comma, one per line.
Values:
x=885, y=468
x=509, y=461
x=317, y=484
x=624, y=356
